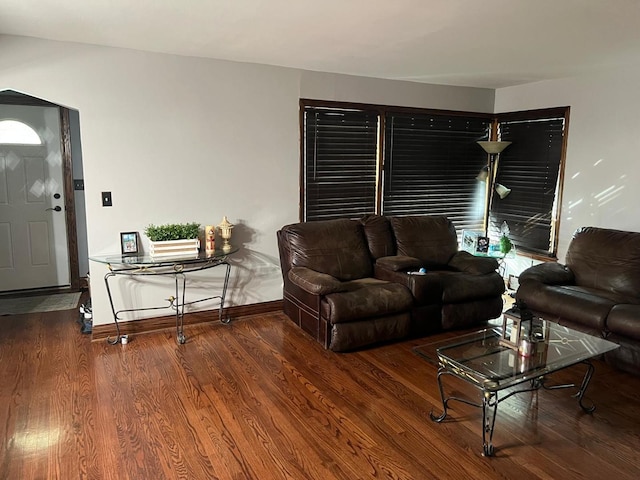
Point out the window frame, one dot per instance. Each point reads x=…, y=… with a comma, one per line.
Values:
x=493, y=119
x=541, y=115
x=327, y=158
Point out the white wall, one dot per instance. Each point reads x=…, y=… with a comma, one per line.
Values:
x=179, y=139
x=602, y=167
x=345, y=88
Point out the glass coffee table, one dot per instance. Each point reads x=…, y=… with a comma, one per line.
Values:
x=480, y=359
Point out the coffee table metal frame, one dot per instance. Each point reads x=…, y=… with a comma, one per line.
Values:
x=480, y=360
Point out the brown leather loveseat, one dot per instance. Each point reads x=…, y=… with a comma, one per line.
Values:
x=352, y=283
x=597, y=290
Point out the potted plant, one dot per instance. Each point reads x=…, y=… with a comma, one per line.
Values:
x=173, y=239
x=505, y=242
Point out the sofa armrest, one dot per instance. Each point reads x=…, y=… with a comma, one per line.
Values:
x=315, y=282
x=549, y=273
x=399, y=263
x=465, y=262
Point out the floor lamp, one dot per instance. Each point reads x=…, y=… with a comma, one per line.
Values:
x=488, y=174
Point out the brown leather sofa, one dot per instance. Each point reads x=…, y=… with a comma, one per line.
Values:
x=596, y=291
x=353, y=283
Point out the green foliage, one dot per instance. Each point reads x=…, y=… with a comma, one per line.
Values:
x=172, y=231
x=505, y=244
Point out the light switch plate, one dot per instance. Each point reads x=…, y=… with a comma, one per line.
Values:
x=106, y=199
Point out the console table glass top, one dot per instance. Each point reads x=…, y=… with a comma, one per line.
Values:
x=131, y=261
x=481, y=360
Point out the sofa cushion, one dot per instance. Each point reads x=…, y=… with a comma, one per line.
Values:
x=580, y=305
x=465, y=262
x=606, y=260
x=377, y=231
x=551, y=273
x=399, y=263
x=366, y=298
x=461, y=287
x=432, y=239
x=625, y=320
x=335, y=247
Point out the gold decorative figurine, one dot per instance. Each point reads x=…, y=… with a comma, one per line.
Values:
x=225, y=233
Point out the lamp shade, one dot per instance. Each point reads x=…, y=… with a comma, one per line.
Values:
x=493, y=146
x=502, y=191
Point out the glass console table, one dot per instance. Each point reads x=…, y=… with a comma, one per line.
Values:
x=177, y=267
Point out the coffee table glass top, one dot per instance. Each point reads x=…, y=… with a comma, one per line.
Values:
x=480, y=358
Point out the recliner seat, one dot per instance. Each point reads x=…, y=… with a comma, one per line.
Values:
x=596, y=291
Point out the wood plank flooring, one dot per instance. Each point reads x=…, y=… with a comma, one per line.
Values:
x=257, y=399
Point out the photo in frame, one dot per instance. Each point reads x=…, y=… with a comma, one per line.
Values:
x=482, y=245
x=469, y=241
x=129, y=243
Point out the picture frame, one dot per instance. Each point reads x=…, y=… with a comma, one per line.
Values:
x=482, y=245
x=129, y=243
x=469, y=241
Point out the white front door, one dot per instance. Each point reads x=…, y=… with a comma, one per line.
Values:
x=33, y=233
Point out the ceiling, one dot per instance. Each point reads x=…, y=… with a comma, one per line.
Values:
x=480, y=43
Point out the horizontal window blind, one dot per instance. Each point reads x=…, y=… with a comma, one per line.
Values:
x=340, y=163
x=430, y=164
x=530, y=167
x=430, y=167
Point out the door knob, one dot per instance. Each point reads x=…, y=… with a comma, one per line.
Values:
x=57, y=208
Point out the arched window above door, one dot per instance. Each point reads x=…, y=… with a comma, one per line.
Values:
x=14, y=132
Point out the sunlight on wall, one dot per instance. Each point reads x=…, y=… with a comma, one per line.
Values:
x=571, y=205
x=596, y=203
x=608, y=195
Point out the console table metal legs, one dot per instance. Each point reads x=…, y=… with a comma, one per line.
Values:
x=490, y=401
x=176, y=302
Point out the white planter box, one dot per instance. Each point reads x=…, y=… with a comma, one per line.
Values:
x=175, y=248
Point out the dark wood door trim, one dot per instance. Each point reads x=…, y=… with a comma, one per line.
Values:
x=67, y=174
x=69, y=199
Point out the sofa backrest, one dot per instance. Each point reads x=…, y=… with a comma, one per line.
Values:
x=380, y=241
x=606, y=259
x=430, y=238
x=335, y=247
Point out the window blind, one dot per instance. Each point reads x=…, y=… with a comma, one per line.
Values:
x=530, y=167
x=430, y=167
x=430, y=164
x=340, y=163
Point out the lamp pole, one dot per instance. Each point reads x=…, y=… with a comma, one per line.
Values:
x=493, y=149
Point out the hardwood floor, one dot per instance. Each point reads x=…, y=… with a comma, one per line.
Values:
x=257, y=399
